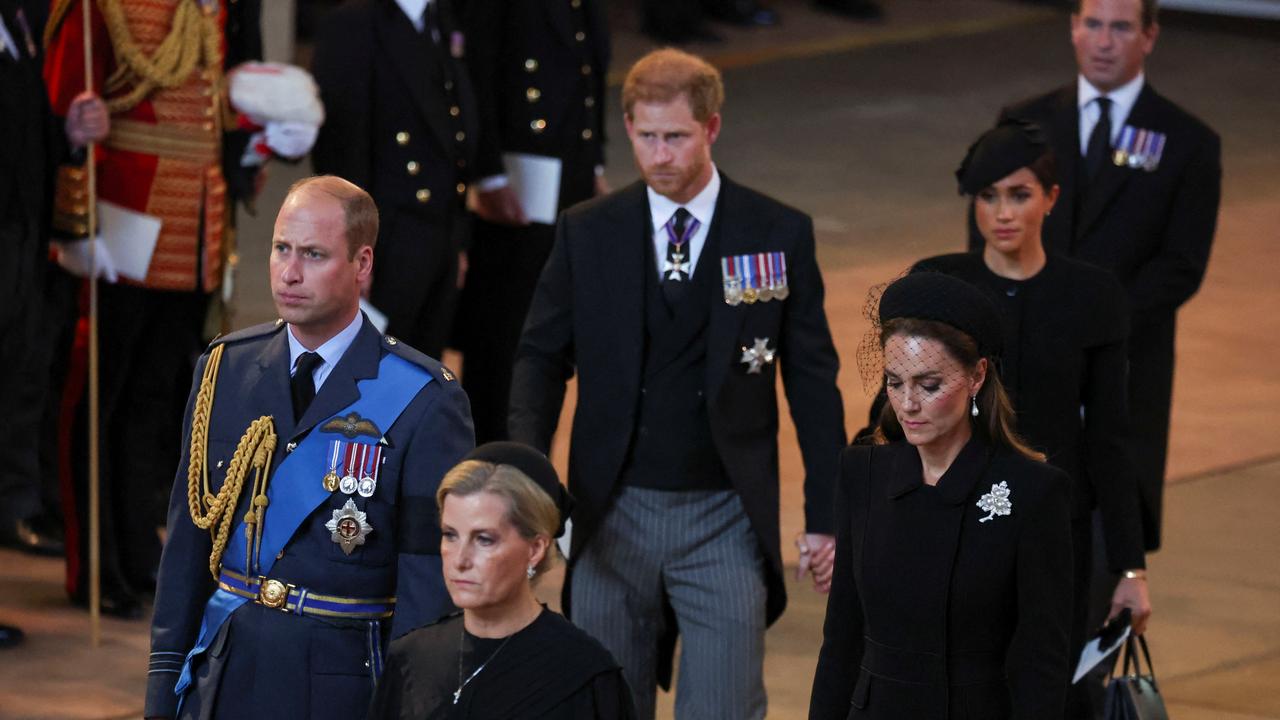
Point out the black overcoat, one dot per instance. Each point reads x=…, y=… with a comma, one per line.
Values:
x=936, y=613
x=1065, y=369
x=1154, y=230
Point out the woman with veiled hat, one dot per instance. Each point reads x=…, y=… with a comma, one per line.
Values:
x=505, y=656
x=1065, y=325
x=952, y=585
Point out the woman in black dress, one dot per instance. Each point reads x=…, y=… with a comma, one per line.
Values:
x=505, y=656
x=952, y=585
x=1065, y=326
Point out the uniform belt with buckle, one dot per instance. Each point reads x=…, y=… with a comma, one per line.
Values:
x=287, y=597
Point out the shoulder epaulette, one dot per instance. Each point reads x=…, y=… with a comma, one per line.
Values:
x=248, y=333
x=417, y=357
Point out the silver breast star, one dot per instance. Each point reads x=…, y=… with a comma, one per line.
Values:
x=757, y=356
x=349, y=527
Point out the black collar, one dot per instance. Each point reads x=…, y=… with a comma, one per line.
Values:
x=956, y=484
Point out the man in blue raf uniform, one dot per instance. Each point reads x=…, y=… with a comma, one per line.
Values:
x=302, y=528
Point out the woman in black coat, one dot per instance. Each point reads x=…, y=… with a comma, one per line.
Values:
x=1065, y=326
x=952, y=586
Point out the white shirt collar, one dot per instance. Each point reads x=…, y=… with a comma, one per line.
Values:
x=1122, y=98
x=331, y=351
x=702, y=206
x=415, y=10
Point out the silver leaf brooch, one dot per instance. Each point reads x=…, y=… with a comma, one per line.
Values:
x=996, y=502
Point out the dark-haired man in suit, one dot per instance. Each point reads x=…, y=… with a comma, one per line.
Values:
x=677, y=301
x=1141, y=180
x=1140, y=192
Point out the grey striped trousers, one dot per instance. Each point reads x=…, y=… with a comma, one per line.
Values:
x=697, y=551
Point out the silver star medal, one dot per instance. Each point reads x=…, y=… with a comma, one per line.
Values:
x=996, y=502
x=757, y=356
x=349, y=526
x=675, y=267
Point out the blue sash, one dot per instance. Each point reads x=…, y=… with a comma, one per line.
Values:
x=295, y=490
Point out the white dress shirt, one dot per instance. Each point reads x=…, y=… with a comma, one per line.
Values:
x=416, y=11
x=330, y=352
x=702, y=207
x=1122, y=100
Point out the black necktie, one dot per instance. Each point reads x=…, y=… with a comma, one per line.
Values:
x=1099, y=140
x=675, y=271
x=303, y=384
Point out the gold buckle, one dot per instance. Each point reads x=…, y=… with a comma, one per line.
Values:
x=273, y=593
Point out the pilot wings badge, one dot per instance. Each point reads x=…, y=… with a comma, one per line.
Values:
x=352, y=426
x=996, y=502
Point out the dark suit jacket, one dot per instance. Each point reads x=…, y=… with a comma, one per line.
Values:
x=1154, y=230
x=934, y=613
x=32, y=143
x=526, y=64
x=588, y=316
x=298, y=666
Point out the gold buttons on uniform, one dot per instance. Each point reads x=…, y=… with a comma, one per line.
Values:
x=586, y=69
x=532, y=94
x=423, y=196
x=459, y=136
x=462, y=187
x=575, y=4
x=586, y=134
x=531, y=65
x=538, y=125
x=413, y=168
x=579, y=36
x=589, y=102
x=402, y=138
x=455, y=111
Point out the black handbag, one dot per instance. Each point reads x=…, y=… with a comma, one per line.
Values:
x=1134, y=695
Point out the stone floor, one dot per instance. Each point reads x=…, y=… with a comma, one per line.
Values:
x=861, y=126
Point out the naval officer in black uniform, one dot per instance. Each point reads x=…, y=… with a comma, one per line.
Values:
x=538, y=68
x=401, y=122
x=302, y=531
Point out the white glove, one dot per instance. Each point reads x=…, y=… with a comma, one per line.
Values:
x=291, y=139
x=73, y=256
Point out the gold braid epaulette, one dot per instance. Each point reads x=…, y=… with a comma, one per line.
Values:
x=194, y=40
x=215, y=512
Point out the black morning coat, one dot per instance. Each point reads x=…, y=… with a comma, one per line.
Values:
x=588, y=316
x=934, y=613
x=1154, y=230
x=400, y=122
x=1064, y=338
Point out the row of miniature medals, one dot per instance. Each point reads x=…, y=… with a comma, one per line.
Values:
x=353, y=468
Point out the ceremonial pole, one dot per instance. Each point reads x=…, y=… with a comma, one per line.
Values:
x=91, y=201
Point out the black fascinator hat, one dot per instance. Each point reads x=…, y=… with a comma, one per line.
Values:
x=1011, y=145
x=535, y=466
